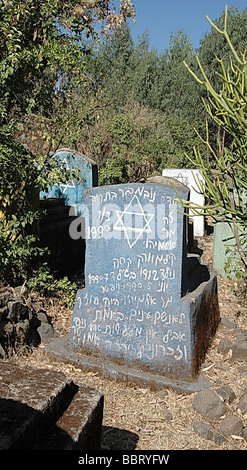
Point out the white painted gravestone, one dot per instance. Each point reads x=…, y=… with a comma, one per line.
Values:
x=190, y=178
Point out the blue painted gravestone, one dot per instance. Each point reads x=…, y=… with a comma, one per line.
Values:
x=71, y=191
x=136, y=310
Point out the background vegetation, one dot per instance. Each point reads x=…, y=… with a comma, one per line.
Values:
x=127, y=106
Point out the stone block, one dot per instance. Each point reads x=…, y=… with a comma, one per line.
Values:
x=226, y=259
x=17, y=311
x=209, y=404
x=223, y=257
x=239, y=351
x=80, y=426
x=45, y=410
x=231, y=425
x=226, y=393
x=208, y=432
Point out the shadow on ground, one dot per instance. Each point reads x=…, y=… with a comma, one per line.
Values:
x=118, y=439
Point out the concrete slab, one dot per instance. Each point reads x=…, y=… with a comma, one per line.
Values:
x=60, y=350
x=79, y=428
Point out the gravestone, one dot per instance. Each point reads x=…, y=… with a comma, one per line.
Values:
x=71, y=191
x=226, y=259
x=191, y=178
x=136, y=314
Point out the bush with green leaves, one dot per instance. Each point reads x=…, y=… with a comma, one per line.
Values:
x=226, y=175
x=44, y=283
x=43, y=70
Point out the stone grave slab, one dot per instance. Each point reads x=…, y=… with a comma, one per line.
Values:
x=190, y=178
x=140, y=318
x=45, y=410
x=71, y=191
x=226, y=259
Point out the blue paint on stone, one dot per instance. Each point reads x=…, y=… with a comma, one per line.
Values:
x=135, y=309
x=72, y=191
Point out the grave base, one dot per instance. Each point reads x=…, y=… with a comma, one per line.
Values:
x=60, y=350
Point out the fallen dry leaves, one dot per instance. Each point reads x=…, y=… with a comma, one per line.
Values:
x=141, y=419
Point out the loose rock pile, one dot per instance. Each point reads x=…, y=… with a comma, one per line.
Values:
x=239, y=347
x=212, y=405
x=23, y=323
x=224, y=421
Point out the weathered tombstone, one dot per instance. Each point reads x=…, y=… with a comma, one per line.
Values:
x=226, y=259
x=136, y=316
x=71, y=191
x=191, y=178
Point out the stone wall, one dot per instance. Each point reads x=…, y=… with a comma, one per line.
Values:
x=23, y=323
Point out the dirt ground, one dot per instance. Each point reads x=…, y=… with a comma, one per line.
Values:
x=140, y=419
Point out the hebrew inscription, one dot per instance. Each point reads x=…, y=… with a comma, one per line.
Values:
x=130, y=309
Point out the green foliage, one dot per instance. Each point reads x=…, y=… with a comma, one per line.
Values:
x=114, y=172
x=45, y=284
x=130, y=108
x=18, y=249
x=136, y=142
x=44, y=69
x=233, y=262
x=226, y=179
x=214, y=45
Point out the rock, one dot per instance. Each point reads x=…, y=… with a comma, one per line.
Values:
x=228, y=323
x=242, y=404
x=207, y=431
x=46, y=332
x=208, y=404
x=244, y=433
x=167, y=415
x=22, y=330
x=226, y=393
x=4, y=299
x=224, y=346
x=19, y=321
x=241, y=334
x=3, y=313
x=6, y=329
x=20, y=291
x=17, y=311
x=42, y=317
x=239, y=350
x=2, y=353
x=231, y=425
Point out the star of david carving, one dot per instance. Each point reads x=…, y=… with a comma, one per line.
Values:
x=69, y=184
x=133, y=221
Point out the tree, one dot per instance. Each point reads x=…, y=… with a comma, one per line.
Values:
x=212, y=46
x=43, y=67
x=145, y=72
x=177, y=93
x=226, y=178
x=112, y=65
